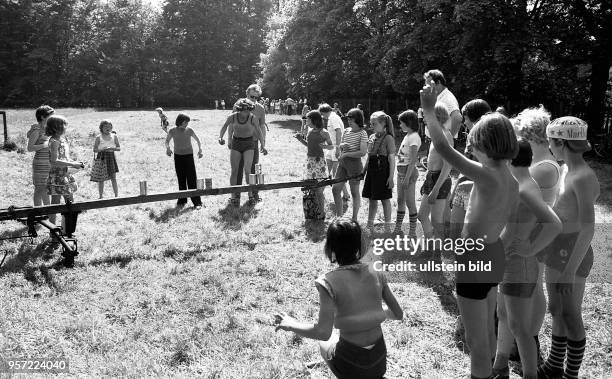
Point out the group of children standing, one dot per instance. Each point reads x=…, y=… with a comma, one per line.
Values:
x=535, y=218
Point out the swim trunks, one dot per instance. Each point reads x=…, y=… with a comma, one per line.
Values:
x=242, y=144
x=347, y=360
x=476, y=283
x=430, y=180
x=557, y=254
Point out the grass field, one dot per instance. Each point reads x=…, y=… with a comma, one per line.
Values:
x=160, y=293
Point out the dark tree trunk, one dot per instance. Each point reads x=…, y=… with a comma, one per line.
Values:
x=600, y=68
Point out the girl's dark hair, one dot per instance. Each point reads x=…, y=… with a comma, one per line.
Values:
x=315, y=117
x=43, y=111
x=344, y=241
x=55, y=125
x=181, y=118
x=409, y=118
x=357, y=115
x=525, y=154
x=105, y=122
x=475, y=109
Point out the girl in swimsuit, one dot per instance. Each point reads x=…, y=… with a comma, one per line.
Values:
x=569, y=257
x=242, y=127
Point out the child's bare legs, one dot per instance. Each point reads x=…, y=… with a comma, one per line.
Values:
x=332, y=167
x=372, y=210
x=475, y=314
x=356, y=198
x=504, y=336
x=387, y=213
x=235, y=157
x=115, y=187
x=539, y=303
x=519, y=312
x=247, y=156
x=491, y=307
x=566, y=310
x=423, y=216
x=40, y=196
x=337, y=192
x=55, y=199
x=101, y=189
x=437, y=215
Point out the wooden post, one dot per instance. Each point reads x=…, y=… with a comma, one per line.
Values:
x=3, y=113
x=13, y=213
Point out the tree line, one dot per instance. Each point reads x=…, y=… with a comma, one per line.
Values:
x=128, y=53
x=514, y=53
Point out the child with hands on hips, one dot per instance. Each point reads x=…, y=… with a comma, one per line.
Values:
x=350, y=298
x=493, y=197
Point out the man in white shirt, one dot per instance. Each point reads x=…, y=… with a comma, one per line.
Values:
x=447, y=98
x=335, y=127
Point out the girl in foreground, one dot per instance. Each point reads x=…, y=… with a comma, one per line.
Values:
x=351, y=299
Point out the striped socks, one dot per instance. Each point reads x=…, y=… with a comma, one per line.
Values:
x=575, y=353
x=553, y=366
x=399, y=219
x=413, y=224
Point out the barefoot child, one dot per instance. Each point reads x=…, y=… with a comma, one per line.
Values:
x=163, y=119
x=105, y=146
x=350, y=299
x=183, y=157
x=569, y=257
x=407, y=173
x=517, y=291
x=437, y=185
x=380, y=167
x=494, y=195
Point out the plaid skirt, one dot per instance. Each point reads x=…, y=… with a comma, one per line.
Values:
x=111, y=162
x=316, y=168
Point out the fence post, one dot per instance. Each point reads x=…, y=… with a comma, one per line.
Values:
x=3, y=113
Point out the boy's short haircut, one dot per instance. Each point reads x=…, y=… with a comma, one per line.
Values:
x=182, y=117
x=254, y=87
x=159, y=109
x=525, y=154
x=531, y=124
x=105, y=122
x=344, y=241
x=325, y=108
x=475, y=109
x=357, y=115
x=55, y=125
x=43, y=111
x=436, y=75
x=441, y=113
x=315, y=117
x=494, y=136
x=409, y=118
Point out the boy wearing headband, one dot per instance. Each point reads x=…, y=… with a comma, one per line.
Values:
x=569, y=257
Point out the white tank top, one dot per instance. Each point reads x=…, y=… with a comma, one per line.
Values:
x=105, y=144
x=549, y=194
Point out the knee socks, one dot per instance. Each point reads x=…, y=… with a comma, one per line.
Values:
x=575, y=353
x=553, y=366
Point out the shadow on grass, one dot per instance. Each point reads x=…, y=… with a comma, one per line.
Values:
x=26, y=261
x=232, y=216
x=294, y=125
x=169, y=214
x=14, y=234
x=316, y=230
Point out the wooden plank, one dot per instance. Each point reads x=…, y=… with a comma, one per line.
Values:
x=12, y=213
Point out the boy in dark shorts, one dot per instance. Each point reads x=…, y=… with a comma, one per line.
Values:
x=437, y=185
x=569, y=257
x=494, y=196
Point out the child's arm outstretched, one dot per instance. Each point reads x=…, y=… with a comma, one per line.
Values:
x=467, y=167
x=321, y=330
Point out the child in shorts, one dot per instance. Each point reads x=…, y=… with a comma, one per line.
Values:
x=437, y=185
x=515, y=307
x=351, y=299
x=407, y=173
x=494, y=196
x=353, y=146
x=569, y=257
